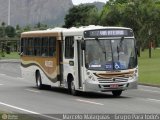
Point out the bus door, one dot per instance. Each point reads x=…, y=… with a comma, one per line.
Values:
x=60, y=61
x=79, y=62
x=68, y=59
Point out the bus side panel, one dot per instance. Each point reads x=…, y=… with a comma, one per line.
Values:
x=47, y=66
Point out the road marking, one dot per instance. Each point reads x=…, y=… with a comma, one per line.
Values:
x=35, y=91
x=155, y=100
x=91, y=102
x=150, y=91
x=19, y=78
x=2, y=74
x=28, y=111
x=1, y=84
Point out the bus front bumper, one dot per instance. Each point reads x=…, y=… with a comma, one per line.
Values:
x=93, y=86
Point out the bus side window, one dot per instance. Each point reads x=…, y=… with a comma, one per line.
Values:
x=26, y=52
x=22, y=45
x=45, y=49
x=37, y=46
x=30, y=46
x=52, y=46
x=69, y=47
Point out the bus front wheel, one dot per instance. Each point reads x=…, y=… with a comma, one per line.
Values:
x=71, y=88
x=117, y=93
x=39, y=81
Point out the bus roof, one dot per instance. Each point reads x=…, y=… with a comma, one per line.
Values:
x=74, y=31
x=49, y=32
x=79, y=31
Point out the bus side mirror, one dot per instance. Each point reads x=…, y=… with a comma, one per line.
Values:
x=83, y=47
x=137, y=52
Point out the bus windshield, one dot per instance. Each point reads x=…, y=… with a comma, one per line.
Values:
x=108, y=55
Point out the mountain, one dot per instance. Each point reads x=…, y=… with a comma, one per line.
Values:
x=24, y=12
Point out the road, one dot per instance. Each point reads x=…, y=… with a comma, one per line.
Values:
x=21, y=96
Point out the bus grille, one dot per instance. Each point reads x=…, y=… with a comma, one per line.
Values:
x=113, y=80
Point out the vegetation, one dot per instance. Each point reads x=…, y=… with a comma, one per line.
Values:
x=12, y=55
x=141, y=15
x=149, y=68
x=9, y=37
x=81, y=15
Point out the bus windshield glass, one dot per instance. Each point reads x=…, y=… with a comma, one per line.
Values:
x=109, y=55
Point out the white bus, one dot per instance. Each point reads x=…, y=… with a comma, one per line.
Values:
x=91, y=58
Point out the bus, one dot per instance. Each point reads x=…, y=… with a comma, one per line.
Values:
x=89, y=59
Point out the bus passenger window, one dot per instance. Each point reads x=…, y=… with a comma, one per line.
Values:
x=26, y=52
x=22, y=45
x=30, y=46
x=52, y=46
x=69, y=48
x=45, y=49
x=37, y=46
x=44, y=52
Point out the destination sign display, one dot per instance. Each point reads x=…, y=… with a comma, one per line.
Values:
x=108, y=33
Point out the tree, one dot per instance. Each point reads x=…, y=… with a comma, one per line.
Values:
x=1, y=32
x=18, y=27
x=140, y=15
x=2, y=29
x=40, y=26
x=26, y=28
x=18, y=31
x=10, y=31
x=81, y=15
x=3, y=24
x=111, y=14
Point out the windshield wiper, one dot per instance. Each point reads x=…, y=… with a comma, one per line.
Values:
x=118, y=52
x=120, y=46
x=102, y=48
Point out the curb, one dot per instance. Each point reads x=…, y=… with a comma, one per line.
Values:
x=10, y=60
x=151, y=85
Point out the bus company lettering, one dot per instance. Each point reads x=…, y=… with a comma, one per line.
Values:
x=49, y=63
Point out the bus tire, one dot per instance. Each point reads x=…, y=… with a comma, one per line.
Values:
x=73, y=91
x=39, y=81
x=117, y=93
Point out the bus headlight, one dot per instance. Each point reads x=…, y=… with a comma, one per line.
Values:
x=133, y=76
x=88, y=73
x=90, y=76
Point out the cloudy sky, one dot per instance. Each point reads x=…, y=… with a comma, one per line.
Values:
x=76, y=2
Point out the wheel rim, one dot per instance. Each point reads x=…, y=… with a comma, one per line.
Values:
x=38, y=82
x=72, y=87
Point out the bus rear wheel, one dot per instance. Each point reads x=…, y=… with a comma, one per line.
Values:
x=39, y=81
x=117, y=93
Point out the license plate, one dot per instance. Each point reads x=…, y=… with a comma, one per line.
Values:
x=114, y=86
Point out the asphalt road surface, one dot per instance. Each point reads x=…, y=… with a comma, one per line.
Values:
x=21, y=96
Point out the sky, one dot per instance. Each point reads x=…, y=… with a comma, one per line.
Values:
x=76, y=2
